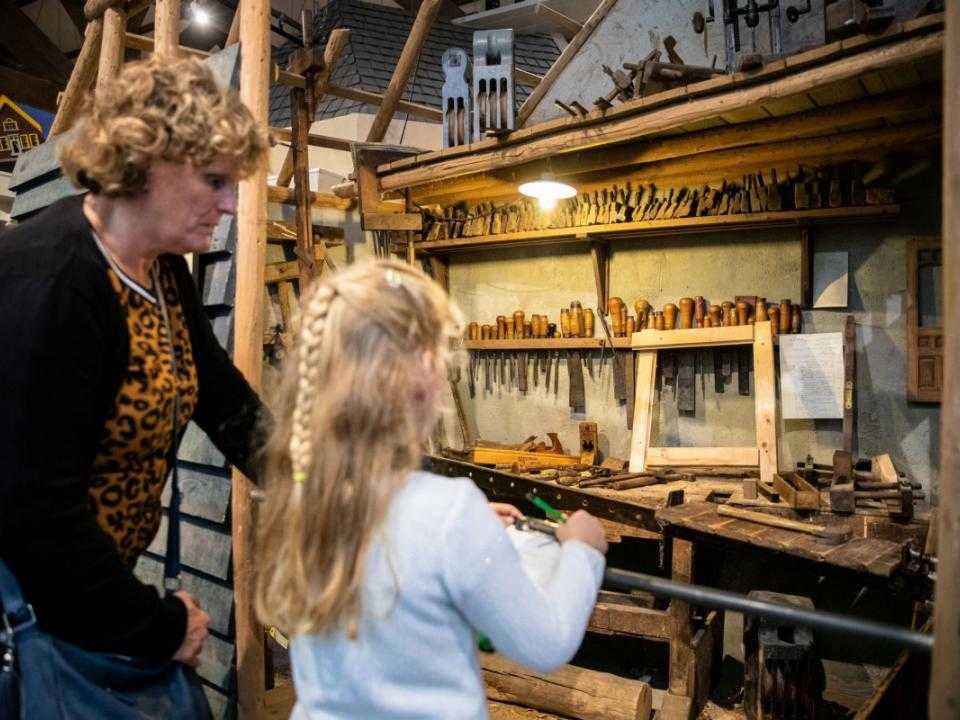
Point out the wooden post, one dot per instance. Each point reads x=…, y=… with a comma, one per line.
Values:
x=248, y=348
x=944, y=690
x=84, y=71
x=112, y=46
x=681, y=650
x=409, y=207
x=166, y=28
x=300, y=115
x=408, y=57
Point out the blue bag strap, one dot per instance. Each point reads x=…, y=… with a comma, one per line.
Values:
x=17, y=613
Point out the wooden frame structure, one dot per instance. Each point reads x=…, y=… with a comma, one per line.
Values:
x=647, y=343
x=924, y=343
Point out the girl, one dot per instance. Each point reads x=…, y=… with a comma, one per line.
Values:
x=383, y=574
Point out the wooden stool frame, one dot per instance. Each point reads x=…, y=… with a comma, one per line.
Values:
x=646, y=343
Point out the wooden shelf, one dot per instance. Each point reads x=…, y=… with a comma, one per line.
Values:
x=594, y=343
x=667, y=228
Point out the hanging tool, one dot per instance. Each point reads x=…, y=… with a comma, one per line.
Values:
x=833, y=534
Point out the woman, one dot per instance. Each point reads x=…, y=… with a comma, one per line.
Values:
x=105, y=355
x=382, y=574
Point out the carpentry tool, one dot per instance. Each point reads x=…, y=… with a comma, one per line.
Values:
x=456, y=97
x=773, y=312
x=493, y=83
x=550, y=511
x=669, y=316
x=796, y=490
x=785, y=316
x=833, y=534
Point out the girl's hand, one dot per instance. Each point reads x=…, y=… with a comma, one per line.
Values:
x=506, y=512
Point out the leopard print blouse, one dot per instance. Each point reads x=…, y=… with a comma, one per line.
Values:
x=130, y=468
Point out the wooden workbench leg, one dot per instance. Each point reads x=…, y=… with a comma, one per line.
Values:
x=681, y=650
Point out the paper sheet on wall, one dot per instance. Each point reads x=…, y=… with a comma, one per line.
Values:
x=830, y=279
x=811, y=376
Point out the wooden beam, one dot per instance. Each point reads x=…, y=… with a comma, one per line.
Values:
x=634, y=127
x=392, y=221
x=526, y=78
x=112, y=46
x=321, y=141
x=405, y=65
x=143, y=43
x=276, y=194
x=336, y=42
x=567, y=26
x=29, y=89
x=765, y=406
x=94, y=9
x=84, y=71
x=812, y=123
x=944, y=698
x=701, y=457
x=416, y=109
x=30, y=46
x=166, y=28
x=578, y=41
x=233, y=34
x=255, y=71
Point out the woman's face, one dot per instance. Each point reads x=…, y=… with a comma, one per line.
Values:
x=183, y=203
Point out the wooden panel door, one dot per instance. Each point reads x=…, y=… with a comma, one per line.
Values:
x=924, y=320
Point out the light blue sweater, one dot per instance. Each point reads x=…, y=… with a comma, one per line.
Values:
x=442, y=569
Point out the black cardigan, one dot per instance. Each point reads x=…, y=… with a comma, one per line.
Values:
x=63, y=353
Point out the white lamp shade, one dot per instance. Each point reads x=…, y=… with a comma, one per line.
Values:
x=547, y=190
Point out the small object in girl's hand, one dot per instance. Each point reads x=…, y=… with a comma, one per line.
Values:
x=551, y=512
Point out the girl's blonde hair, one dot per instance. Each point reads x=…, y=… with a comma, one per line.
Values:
x=359, y=396
x=159, y=109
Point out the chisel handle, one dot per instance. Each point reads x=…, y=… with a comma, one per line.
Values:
x=773, y=312
x=588, y=320
x=576, y=319
x=699, y=311
x=658, y=322
x=508, y=328
x=669, y=316
x=728, y=317
x=760, y=313
x=686, y=313
x=796, y=320
x=528, y=329
x=518, y=324
x=643, y=313
x=614, y=306
x=785, y=313
x=715, y=316
x=743, y=310
x=564, y=323
x=473, y=331
x=631, y=326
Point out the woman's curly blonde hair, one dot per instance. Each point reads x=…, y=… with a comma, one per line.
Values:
x=159, y=109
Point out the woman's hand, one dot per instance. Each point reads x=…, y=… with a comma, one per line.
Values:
x=506, y=512
x=584, y=527
x=197, y=621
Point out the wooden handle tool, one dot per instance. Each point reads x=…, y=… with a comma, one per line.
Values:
x=486, y=332
x=501, y=327
x=686, y=313
x=715, y=316
x=643, y=313
x=658, y=321
x=614, y=306
x=576, y=319
x=796, y=320
x=528, y=329
x=699, y=311
x=564, y=323
x=743, y=310
x=760, y=313
x=518, y=324
x=669, y=316
x=631, y=326
x=833, y=534
x=508, y=329
x=473, y=331
x=588, y=322
x=773, y=312
x=785, y=313
x=729, y=318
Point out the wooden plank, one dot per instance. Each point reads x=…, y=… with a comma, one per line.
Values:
x=322, y=141
x=766, y=400
x=644, y=124
x=392, y=221
x=145, y=44
x=30, y=89
x=415, y=109
x=646, y=363
x=166, y=28
x=112, y=47
x=620, y=619
x=287, y=196
x=287, y=270
x=944, y=695
x=569, y=52
x=300, y=119
x=849, y=381
x=248, y=350
x=669, y=227
x=526, y=78
x=693, y=337
x=702, y=456
x=81, y=79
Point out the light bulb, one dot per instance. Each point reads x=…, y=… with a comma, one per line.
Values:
x=547, y=203
x=547, y=191
x=200, y=15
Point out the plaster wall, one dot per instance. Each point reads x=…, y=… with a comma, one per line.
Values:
x=630, y=30
x=719, y=267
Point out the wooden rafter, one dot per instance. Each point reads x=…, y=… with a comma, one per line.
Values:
x=84, y=71
x=569, y=52
x=29, y=89
x=408, y=57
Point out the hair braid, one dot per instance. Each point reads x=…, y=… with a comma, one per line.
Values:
x=308, y=370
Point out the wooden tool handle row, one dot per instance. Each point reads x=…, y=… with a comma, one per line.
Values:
x=697, y=313
x=575, y=321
